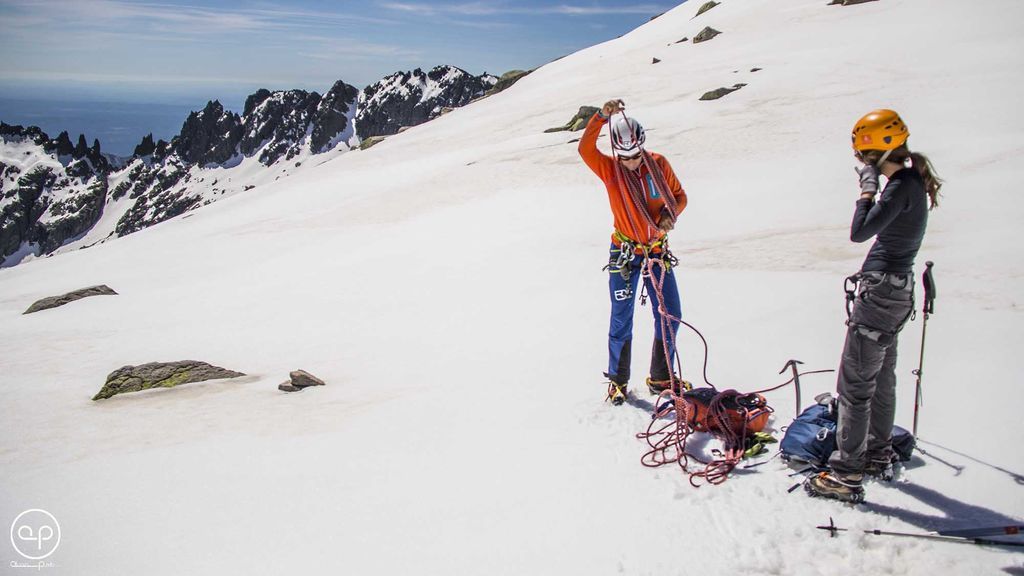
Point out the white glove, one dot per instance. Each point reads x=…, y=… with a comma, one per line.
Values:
x=868, y=179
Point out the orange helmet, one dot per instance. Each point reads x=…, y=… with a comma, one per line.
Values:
x=880, y=130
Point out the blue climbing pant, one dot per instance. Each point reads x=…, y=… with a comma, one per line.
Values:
x=623, y=282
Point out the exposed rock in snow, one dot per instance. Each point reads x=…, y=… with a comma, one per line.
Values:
x=705, y=7
x=55, y=301
x=300, y=379
x=706, y=34
x=303, y=379
x=160, y=375
x=507, y=80
x=577, y=122
x=719, y=92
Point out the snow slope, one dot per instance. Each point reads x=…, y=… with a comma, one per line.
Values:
x=447, y=285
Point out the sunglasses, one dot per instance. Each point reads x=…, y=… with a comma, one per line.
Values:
x=630, y=158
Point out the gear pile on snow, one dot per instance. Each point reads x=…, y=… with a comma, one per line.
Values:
x=737, y=420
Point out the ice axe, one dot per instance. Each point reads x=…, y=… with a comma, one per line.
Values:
x=796, y=379
x=929, y=309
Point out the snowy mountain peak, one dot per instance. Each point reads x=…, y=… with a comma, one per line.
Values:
x=410, y=98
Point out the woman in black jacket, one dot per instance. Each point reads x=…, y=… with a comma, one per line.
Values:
x=896, y=218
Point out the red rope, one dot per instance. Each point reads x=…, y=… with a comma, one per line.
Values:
x=667, y=440
x=631, y=192
x=665, y=319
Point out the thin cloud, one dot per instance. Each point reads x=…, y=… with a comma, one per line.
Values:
x=183, y=19
x=603, y=10
x=104, y=78
x=329, y=48
x=491, y=9
x=465, y=9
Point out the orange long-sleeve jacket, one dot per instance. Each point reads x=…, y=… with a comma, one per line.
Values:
x=625, y=213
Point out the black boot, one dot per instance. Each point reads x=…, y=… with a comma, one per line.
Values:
x=659, y=367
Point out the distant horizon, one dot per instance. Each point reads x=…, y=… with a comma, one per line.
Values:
x=183, y=54
x=119, y=126
x=118, y=123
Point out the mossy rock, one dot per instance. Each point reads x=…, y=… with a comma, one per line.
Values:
x=370, y=142
x=577, y=122
x=705, y=7
x=507, y=80
x=160, y=375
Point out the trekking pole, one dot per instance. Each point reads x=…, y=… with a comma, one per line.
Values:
x=944, y=538
x=929, y=308
x=960, y=536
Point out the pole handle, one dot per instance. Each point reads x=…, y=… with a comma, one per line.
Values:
x=929, y=289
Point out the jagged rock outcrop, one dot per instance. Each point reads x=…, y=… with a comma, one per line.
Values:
x=62, y=145
x=331, y=121
x=145, y=148
x=72, y=214
x=160, y=375
x=56, y=301
x=22, y=206
x=156, y=199
x=277, y=123
x=412, y=98
x=210, y=136
x=43, y=202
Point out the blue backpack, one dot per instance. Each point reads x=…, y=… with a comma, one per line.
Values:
x=811, y=438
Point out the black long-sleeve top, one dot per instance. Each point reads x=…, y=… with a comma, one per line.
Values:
x=898, y=218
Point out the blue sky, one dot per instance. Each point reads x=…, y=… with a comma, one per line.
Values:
x=177, y=51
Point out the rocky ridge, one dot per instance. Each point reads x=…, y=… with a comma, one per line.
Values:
x=54, y=192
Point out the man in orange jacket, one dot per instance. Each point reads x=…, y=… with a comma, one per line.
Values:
x=645, y=198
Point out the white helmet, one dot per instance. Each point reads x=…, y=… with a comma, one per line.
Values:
x=627, y=136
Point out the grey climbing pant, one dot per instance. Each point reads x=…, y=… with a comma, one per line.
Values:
x=867, y=373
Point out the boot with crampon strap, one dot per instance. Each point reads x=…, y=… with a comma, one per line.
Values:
x=616, y=393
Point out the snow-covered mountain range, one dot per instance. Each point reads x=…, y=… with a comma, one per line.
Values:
x=447, y=285
x=57, y=197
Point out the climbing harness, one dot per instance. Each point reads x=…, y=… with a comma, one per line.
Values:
x=854, y=286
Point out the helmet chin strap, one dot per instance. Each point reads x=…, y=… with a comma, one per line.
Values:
x=884, y=157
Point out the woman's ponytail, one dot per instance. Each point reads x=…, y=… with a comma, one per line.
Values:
x=932, y=182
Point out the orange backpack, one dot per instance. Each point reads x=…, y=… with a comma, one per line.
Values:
x=728, y=412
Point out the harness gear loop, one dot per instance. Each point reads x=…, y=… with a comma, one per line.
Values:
x=852, y=287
